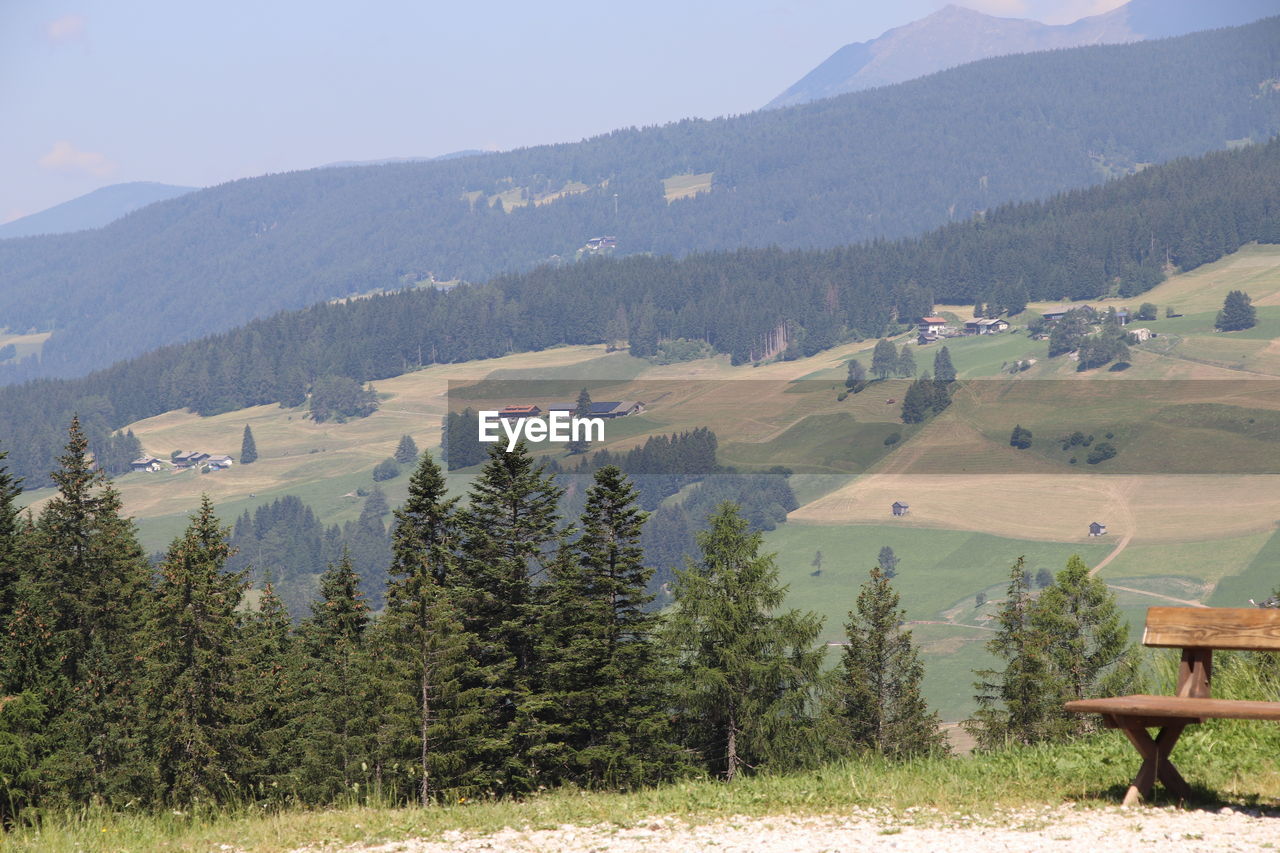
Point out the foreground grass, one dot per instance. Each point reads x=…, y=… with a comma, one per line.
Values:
x=1228, y=762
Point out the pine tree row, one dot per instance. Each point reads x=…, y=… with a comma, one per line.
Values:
x=514, y=653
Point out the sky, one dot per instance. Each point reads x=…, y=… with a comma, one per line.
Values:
x=97, y=92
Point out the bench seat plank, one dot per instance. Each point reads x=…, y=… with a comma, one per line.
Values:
x=1179, y=707
x=1248, y=628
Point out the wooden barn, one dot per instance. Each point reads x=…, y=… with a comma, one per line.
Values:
x=899, y=508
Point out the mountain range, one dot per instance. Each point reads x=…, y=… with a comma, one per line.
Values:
x=92, y=210
x=885, y=163
x=955, y=35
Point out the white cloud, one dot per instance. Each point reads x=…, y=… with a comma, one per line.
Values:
x=65, y=29
x=65, y=157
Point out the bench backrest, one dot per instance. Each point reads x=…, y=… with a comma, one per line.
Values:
x=1249, y=628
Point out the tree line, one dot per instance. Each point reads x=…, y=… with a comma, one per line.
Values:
x=1081, y=244
x=515, y=652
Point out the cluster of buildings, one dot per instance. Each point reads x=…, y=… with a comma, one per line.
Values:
x=606, y=410
x=182, y=461
x=597, y=245
x=932, y=329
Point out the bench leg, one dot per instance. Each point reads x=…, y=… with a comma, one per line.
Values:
x=1155, y=761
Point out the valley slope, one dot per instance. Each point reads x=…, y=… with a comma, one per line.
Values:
x=1191, y=502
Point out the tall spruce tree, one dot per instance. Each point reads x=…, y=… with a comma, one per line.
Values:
x=877, y=705
x=581, y=409
x=1014, y=703
x=509, y=537
x=943, y=369
x=193, y=668
x=10, y=563
x=434, y=710
x=337, y=737
x=81, y=621
x=1086, y=643
x=248, y=447
x=887, y=561
x=273, y=694
x=602, y=708
x=906, y=364
x=747, y=677
x=406, y=451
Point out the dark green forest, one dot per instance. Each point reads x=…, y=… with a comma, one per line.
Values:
x=1082, y=244
x=887, y=163
x=514, y=651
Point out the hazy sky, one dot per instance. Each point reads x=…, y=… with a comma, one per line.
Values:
x=96, y=92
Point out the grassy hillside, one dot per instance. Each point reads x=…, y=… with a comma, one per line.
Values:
x=1189, y=516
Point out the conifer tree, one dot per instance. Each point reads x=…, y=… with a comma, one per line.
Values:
x=84, y=610
x=877, y=703
x=884, y=359
x=248, y=447
x=272, y=694
x=406, y=451
x=1237, y=313
x=906, y=364
x=193, y=665
x=10, y=564
x=1014, y=703
x=509, y=537
x=581, y=409
x=916, y=403
x=336, y=735
x=943, y=369
x=746, y=676
x=1086, y=642
x=433, y=713
x=602, y=708
x=887, y=561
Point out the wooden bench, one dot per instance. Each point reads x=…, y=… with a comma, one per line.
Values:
x=1197, y=631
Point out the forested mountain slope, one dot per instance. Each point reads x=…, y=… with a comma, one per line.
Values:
x=883, y=163
x=751, y=303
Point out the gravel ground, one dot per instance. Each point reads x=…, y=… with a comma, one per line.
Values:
x=1050, y=829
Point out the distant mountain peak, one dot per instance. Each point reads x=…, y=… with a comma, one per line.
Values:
x=92, y=210
x=955, y=35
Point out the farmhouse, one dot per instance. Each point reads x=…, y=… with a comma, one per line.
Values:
x=146, y=463
x=519, y=412
x=1057, y=312
x=190, y=458
x=1141, y=335
x=985, y=326
x=931, y=325
x=218, y=462
x=611, y=409
x=1096, y=529
x=899, y=508
x=616, y=409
